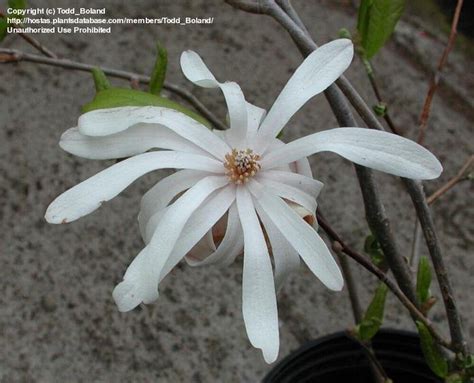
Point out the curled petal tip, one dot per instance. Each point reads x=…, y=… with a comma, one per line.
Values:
x=126, y=296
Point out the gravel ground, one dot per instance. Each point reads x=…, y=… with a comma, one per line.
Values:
x=58, y=322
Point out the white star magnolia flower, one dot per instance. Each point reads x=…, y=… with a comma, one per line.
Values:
x=242, y=189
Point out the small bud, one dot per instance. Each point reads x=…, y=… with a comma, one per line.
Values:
x=380, y=109
x=345, y=34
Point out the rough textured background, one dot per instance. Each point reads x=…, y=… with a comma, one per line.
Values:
x=58, y=322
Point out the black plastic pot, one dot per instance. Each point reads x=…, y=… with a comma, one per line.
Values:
x=338, y=358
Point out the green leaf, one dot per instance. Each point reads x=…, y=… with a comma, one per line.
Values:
x=159, y=70
x=115, y=97
x=423, y=280
x=100, y=79
x=3, y=27
x=433, y=356
x=373, y=249
x=373, y=317
x=383, y=16
x=363, y=18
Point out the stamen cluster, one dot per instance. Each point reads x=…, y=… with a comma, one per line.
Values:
x=241, y=165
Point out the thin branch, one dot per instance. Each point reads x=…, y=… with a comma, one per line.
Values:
x=368, y=265
x=33, y=42
x=415, y=247
x=12, y=55
x=290, y=11
x=425, y=113
x=378, y=95
x=377, y=219
x=415, y=190
x=377, y=368
x=452, y=182
x=257, y=7
x=350, y=283
x=459, y=177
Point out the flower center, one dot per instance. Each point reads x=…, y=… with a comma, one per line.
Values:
x=241, y=165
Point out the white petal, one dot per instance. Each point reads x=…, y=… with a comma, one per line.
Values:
x=87, y=196
x=149, y=229
x=303, y=167
x=307, y=184
x=319, y=70
x=371, y=148
x=258, y=290
x=301, y=236
x=135, y=140
x=199, y=223
x=255, y=116
x=230, y=247
x=160, y=195
x=290, y=193
x=286, y=258
x=201, y=249
x=125, y=294
x=103, y=122
x=196, y=71
x=143, y=275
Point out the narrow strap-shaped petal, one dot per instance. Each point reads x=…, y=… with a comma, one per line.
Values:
x=382, y=151
x=200, y=223
x=319, y=70
x=143, y=275
x=196, y=71
x=162, y=193
x=103, y=122
x=135, y=140
x=308, y=184
x=290, y=193
x=301, y=236
x=255, y=115
x=285, y=257
x=87, y=196
x=230, y=247
x=258, y=290
x=303, y=167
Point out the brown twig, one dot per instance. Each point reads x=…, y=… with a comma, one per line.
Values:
x=368, y=265
x=33, y=42
x=452, y=182
x=432, y=242
x=459, y=177
x=425, y=113
x=13, y=55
